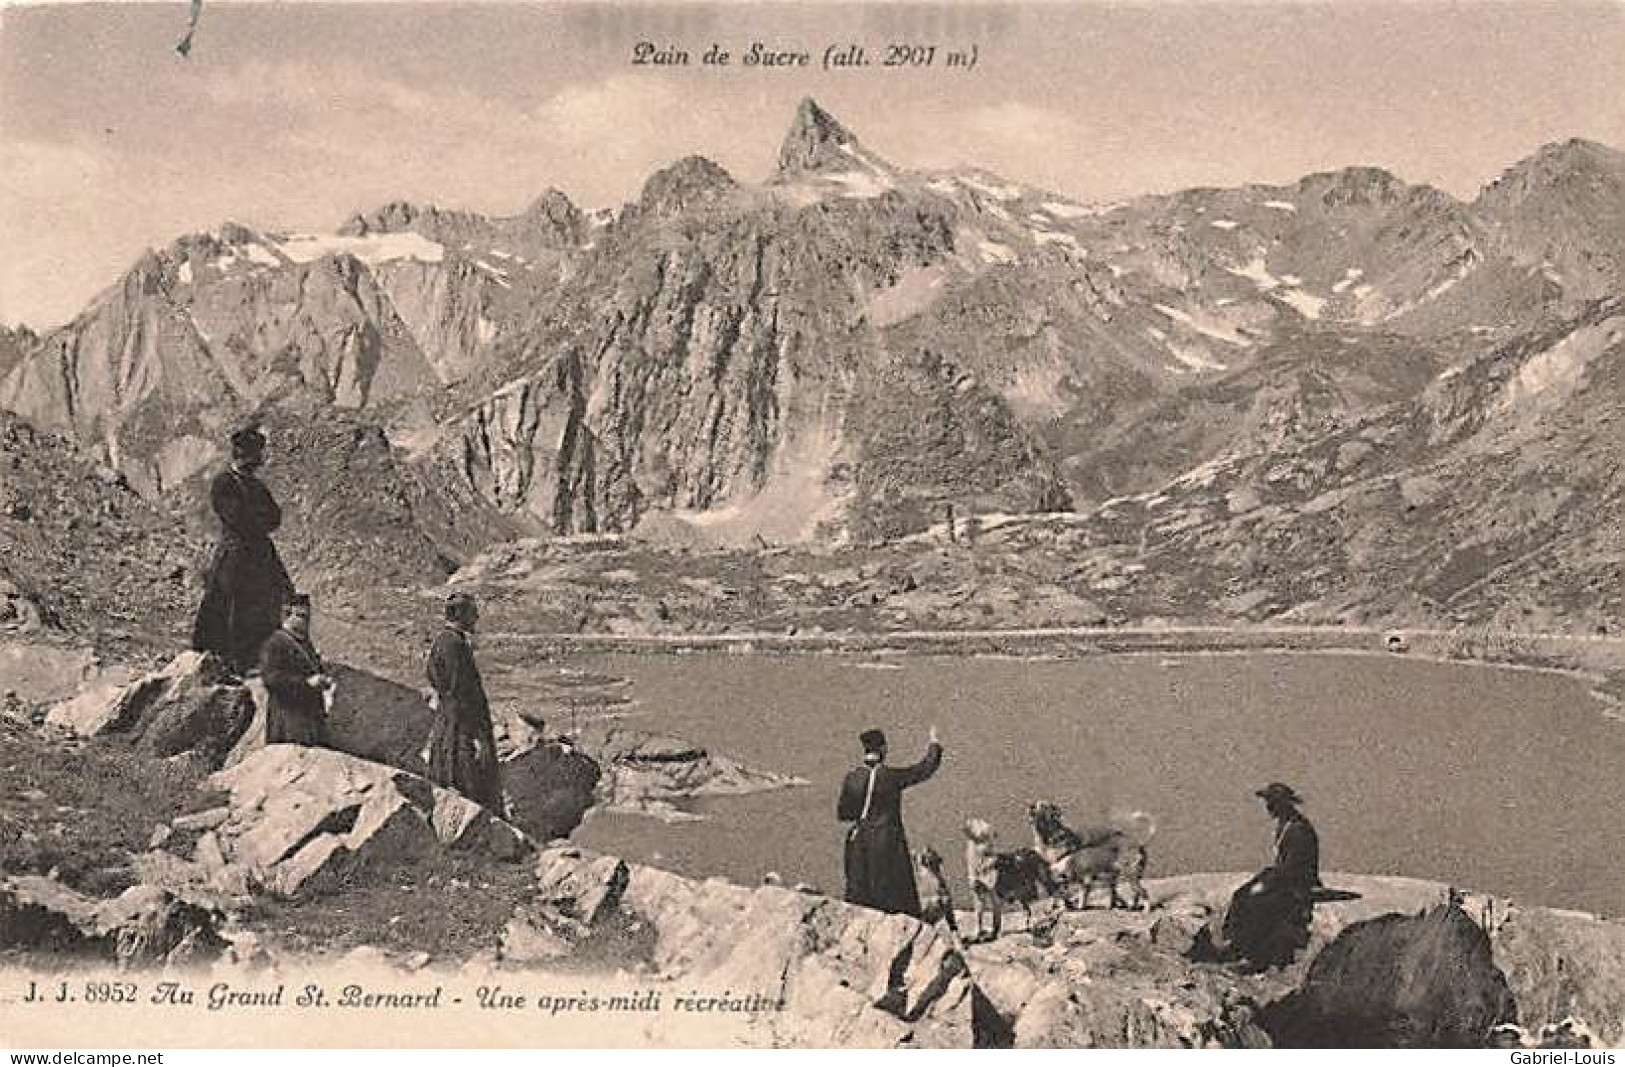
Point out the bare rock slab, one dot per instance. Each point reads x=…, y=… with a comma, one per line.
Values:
x=185, y=707
x=304, y=819
x=144, y=924
x=845, y=976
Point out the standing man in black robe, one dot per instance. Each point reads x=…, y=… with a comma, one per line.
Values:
x=879, y=867
x=462, y=751
x=295, y=681
x=247, y=583
x=1268, y=920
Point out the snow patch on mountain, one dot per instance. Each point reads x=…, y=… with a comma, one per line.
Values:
x=861, y=184
x=258, y=253
x=1350, y=276
x=1556, y=372
x=373, y=248
x=914, y=291
x=997, y=192
x=1206, y=325
x=1258, y=272
x=994, y=252
x=1194, y=358
x=1068, y=211
x=1281, y=205
x=1224, y=224
x=1052, y=237
x=1306, y=304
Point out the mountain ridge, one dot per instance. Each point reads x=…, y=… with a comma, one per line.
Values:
x=838, y=353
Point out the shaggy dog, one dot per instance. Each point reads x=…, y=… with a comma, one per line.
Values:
x=941, y=907
x=1100, y=856
x=996, y=878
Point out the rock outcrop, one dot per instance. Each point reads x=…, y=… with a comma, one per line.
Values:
x=144, y=925
x=371, y=718
x=1398, y=981
x=1087, y=979
x=549, y=789
x=651, y=773
x=828, y=974
x=301, y=820
x=188, y=706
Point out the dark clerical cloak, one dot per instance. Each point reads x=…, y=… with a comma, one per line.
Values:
x=462, y=751
x=1268, y=920
x=879, y=869
x=294, y=714
x=247, y=584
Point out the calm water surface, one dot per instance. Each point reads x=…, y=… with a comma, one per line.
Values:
x=1507, y=781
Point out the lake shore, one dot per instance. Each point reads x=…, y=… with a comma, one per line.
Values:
x=1598, y=661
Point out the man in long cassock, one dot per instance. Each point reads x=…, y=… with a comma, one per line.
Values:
x=1268, y=920
x=461, y=751
x=295, y=681
x=247, y=583
x=879, y=867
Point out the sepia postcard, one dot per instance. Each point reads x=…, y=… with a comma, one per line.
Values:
x=812, y=525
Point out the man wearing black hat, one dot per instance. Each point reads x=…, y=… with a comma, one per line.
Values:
x=295, y=681
x=1268, y=920
x=247, y=583
x=879, y=867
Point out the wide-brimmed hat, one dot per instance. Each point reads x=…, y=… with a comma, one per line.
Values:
x=1279, y=791
x=247, y=442
x=872, y=740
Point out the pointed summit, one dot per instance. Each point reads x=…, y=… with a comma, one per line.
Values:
x=817, y=142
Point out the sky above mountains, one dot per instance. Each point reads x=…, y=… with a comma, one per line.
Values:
x=298, y=115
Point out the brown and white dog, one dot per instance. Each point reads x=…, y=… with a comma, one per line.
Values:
x=1109, y=856
x=998, y=878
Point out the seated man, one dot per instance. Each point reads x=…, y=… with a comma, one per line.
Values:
x=1268, y=920
x=295, y=682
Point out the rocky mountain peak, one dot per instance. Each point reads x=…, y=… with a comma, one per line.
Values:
x=557, y=216
x=1354, y=187
x=393, y=217
x=688, y=183
x=817, y=142
x=1575, y=161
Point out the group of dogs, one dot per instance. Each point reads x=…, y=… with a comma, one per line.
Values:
x=1063, y=864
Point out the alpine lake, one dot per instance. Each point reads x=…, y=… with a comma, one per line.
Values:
x=1504, y=780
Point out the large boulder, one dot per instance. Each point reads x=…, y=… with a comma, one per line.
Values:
x=43, y=673
x=1564, y=965
x=188, y=706
x=549, y=789
x=1399, y=981
x=1105, y=979
x=302, y=820
x=144, y=924
x=650, y=773
x=821, y=972
x=371, y=717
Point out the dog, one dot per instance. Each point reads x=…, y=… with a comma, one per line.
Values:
x=999, y=878
x=941, y=908
x=1110, y=856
